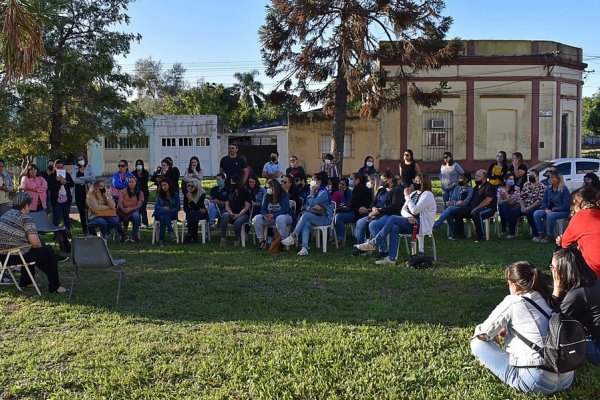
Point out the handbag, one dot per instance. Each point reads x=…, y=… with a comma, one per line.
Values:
x=107, y=212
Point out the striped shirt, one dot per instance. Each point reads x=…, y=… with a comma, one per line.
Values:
x=15, y=226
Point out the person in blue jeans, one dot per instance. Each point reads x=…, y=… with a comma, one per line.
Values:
x=60, y=184
x=460, y=196
x=102, y=211
x=577, y=290
x=556, y=205
x=518, y=365
x=318, y=212
x=166, y=208
x=361, y=198
x=218, y=197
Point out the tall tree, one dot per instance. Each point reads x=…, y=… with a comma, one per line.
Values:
x=249, y=89
x=591, y=115
x=335, y=43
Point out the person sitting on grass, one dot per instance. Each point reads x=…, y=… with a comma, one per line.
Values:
x=275, y=211
x=17, y=229
x=128, y=209
x=166, y=209
x=460, y=196
x=193, y=205
x=555, y=206
x=518, y=365
x=317, y=212
x=237, y=210
x=219, y=195
x=102, y=211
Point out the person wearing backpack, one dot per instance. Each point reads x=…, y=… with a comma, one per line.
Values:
x=577, y=290
x=518, y=365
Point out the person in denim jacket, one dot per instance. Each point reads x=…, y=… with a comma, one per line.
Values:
x=460, y=197
x=555, y=205
x=166, y=208
x=317, y=211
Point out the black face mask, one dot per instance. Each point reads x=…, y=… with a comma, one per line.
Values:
x=50, y=168
x=461, y=183
x=273, y=159
x=531, y=179
x=416, y=186
x=102, y=191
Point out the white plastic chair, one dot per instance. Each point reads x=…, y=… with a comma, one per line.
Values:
x=323, y=230
x=155, y=230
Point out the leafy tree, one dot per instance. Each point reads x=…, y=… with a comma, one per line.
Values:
x=249, y=89
x=147, y=77
x=153, y=85
x=591, y=115
x=335, y=43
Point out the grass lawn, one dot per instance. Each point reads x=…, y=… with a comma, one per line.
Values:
x=197, y=321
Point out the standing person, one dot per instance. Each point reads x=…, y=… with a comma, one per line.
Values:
x=102, y=210
x=167, y=170
x=128, y=208
x=193, y=171
x=275, y=212
x=584, y=228
x=193, y=205
x=449, y=176
x=119, y=180
x=368, y=167
x=36, y=186
x=318, y=212
x=273, y=169
x=519, y=168
x=143, y=176
x=6, y=187
x=518, y=365
x=234, y=165
x=294, y=168
x=59, y=186
x=237, y=210
x=83, y=176
x=17, y=229
x=356, y=208
x=577, y=291
x=555, y=206
x=497, y=170
x=408, y=168
x=166, y=208
x=329, y=167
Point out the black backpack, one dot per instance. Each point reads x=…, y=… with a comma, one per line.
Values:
x=564, y=347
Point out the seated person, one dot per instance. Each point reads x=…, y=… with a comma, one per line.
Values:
x=102, y=210
x=275, y=211
x=237, y=210
x=166, y=209
x=17, y=229
x=128, y=209
x=418, y=209
x=257, y=193
x=287, y=184
x=555, y=205
x=294, y=169
x=530, y=200
x=193, y=205
x=508, y=196
x=317, y=212
x=350, y=212
x=343, y=194
x=218, y=197
x=518, y=365
x=584, y=228
x=303, y=188
x=481, y=207
x=460, y=196
x=577, y=291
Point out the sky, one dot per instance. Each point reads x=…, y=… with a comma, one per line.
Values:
x=215, y=39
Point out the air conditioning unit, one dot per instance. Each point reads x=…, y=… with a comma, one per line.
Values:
x=437, y=123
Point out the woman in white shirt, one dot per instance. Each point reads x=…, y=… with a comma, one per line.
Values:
x=518, y=365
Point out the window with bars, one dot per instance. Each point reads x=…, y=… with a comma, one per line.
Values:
x=169, y=142
x=325, y=145
x=111, y=142
x=203, y=142
x=437, y=134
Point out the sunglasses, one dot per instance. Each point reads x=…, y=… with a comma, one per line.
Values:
x=406, y=155
x=122, y=165
x=191, y=186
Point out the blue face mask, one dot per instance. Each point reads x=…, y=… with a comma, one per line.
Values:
x=350, y=183
x=220, y=183
x=510, y=182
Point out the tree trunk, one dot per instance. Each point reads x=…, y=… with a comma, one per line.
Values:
x=339, y=116
x=56, y=126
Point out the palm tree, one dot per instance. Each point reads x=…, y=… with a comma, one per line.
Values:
x=21, y=41
x=249, y=89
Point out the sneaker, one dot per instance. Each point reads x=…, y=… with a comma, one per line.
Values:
x=124, y=239
x=511, y=236
x=6, y=280
x=381, y=254
x=144, y=226
x=303, y=252
x=61, y=258
x=366, y=246
x=135, y=239
x=536, y=239
x=480, y=239
x=288, y=241
x=456, y=237
x=546, y=239
x=262, y=245
x=359, y=253
x=386, y=261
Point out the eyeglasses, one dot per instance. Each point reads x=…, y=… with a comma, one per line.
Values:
x=443, y=157
x=406, y=155
x=122, y=165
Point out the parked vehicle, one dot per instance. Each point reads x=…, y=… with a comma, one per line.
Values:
x=572, y=169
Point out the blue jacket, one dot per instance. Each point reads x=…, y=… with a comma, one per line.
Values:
x=118, y=183
x=321, y=198
x=457, y=194
x=284, y=205
x=174, y=205
x=561, y=200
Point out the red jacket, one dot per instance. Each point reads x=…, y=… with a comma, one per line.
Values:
x=584, y=229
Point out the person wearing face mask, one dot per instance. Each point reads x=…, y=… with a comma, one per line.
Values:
x=195, y=211
x=294, y=169
x=530, y=199
x=555, y=206
x=275, y=212
x=219, y=195
x=273, y=169
x=143, y=177
x=448, y=176
x=83, y=176
x=102, y=210
x=302, y=187
x=508, y=198
x=483, y=205
x=193, y=171
x=329, y=167
x=460, y=197
x=237, y=210
x=351, y=212
x=368, y=167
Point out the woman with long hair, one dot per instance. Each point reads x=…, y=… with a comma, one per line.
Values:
x=166, y=209
x=193, y=171
x=102, y=210
x=257, y=193
x=408, y=168
x=195, y=210
x=518, y=365
x=166, y=169
x=555, y=206
x=356, y=208
x=36, y=187
x=591, y=179
x=498, y=169
x=119, y=180
x=368, y=167
x=508, y=196
x=275, y=211
x=83, y=176
x=130, y=202
x=449, y=176
x=237, y=210
x=143, y=177
x=518, y=168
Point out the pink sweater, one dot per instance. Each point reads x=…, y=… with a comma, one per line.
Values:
x=36, y=187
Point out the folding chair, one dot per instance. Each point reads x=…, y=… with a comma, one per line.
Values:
x=43, y=224
x=323, y=230
x=91, y=253
x=5, y=267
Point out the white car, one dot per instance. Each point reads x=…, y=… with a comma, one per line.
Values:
x=572, y=169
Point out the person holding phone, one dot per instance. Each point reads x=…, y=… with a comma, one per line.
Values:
x=60, y=184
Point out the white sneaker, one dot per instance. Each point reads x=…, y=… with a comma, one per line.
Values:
x=303, y=251
x=511, y=237
x=386, y=261
x=288, y=241
x=366, y=246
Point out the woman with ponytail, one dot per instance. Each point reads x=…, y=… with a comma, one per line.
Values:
x=517, y=364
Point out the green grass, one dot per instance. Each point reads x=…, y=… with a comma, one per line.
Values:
x=197, y=321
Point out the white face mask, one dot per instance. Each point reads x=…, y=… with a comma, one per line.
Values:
x=138, y=167
x=328, y=161
x=269, y=191
x=81, y=162
x=313, y=183
x=369, y=184
x=369, y=164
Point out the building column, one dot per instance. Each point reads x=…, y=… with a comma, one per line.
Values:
x=470, y=119
x=535, y=120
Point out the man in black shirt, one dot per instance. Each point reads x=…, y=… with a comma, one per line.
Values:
x=482, y=206
x=233, y=164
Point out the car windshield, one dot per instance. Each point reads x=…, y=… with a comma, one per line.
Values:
x=541, y=165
